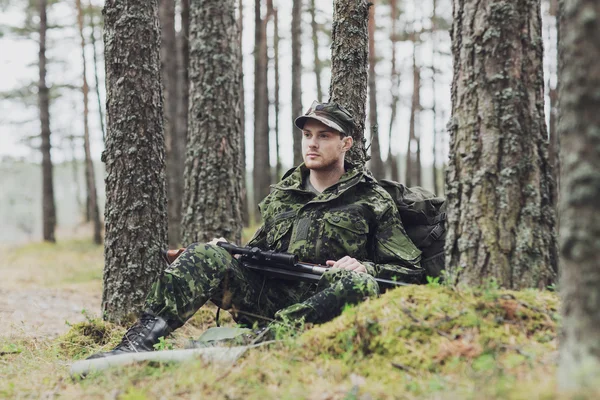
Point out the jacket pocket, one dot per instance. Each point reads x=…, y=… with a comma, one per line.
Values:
x=344, y=233
x=277, y=231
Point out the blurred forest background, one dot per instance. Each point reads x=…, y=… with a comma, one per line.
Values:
x=287, y=42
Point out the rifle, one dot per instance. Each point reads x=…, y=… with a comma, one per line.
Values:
x=278, y=265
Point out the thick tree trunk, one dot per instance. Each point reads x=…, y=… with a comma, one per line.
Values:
x=48, y=206
x=315, y=41
x=578, y=126
x=349, y=62
x=501, y=221
x=413, y=152
x=392, y=160
x=262, y=169
x=213, y=183
x=376, y=165
x=297, y=77
x=168, y=57
x=90, y=177
x=96, y=79
x=183, y=93
x=136, y=203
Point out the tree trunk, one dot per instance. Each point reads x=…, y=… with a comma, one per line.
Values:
x=96, y=80
x=434, y=173
x=554, y=140
x=244, y=195
x=278, y=167
x=376, y=165
x=315, y=40
x=183, y=85
x=168, y=56
x=262, y=169
x=136, y=203
x=90, y=177
x=212, y=167
x=413, y=152
x=349, y=61
x=297, y=77
x=578, y=126
x=392, y=160
x=501, y=221
x=48, y=206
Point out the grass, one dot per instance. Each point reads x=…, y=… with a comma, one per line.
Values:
x=421, y=342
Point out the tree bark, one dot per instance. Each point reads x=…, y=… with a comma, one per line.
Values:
x=501, y=221
x=349, y=62
x=578, y=127
x=261, y=172
x=48, y=205
x=315, y=41
x=434, y=171
x=90, y=177
x=392, y=160
x=183, y=89
x=376, y=164
x=297, y=77
x=136, y=203
x=213, y=183
x=168, y=56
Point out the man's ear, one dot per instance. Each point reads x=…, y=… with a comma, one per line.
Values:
x=348, y=142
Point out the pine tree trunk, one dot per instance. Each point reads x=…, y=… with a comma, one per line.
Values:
x=434, y=173
x=96, y=79
x=392, y=160
x=413, y=158
x=349, y=63
x=183, y=85
x=297, y=77
x=262, y=169
x=136, y=203
x=376, y=165
x=213, y=183
x=168, y=56
x=278, y=167
x=579, y=127
x=48, y=206
x=244, y=195
x=315, y=41
x=90, y=177
x=501, y=221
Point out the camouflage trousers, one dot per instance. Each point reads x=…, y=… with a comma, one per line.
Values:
x=206, y=272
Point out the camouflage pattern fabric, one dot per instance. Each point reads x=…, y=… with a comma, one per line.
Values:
x=354, y=217
x=206, y=272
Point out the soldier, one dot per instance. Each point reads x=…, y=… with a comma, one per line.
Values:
x=326, y=211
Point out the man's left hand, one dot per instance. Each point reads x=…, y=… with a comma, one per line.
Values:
x=347, y=262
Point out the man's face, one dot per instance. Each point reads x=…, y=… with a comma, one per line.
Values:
x=323, y=147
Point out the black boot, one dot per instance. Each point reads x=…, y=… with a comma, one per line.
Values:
x=142, y=336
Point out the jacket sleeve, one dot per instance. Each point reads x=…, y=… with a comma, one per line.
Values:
x=259, y=239
x=394, y=254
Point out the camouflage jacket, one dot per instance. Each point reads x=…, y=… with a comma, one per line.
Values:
x=354, y=217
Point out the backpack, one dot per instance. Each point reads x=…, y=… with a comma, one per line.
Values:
x=424, y=218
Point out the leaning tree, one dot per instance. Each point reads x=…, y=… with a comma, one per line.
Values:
x=213, y=167
x=136, y=203
x=501, y=220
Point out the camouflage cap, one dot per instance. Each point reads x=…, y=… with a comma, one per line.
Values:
x=331, y=114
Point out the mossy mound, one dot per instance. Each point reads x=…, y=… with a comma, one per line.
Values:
x=89, y=337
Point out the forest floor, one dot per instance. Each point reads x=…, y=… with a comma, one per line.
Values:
x=427, y=342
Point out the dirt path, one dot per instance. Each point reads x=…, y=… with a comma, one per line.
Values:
x=35, y=312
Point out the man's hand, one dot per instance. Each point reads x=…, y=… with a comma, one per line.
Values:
x=215, y=241
x=347, y=262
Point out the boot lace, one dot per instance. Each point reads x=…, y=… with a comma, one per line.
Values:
x=135, y=335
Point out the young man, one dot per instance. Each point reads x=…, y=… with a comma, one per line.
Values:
x=325, y=211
